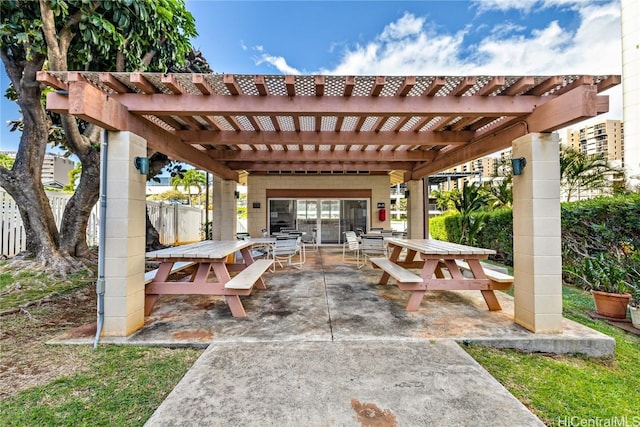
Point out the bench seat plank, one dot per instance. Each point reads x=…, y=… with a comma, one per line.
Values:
x=400, y=274
x=249, y=276
x=178, y=266
x=494, y=275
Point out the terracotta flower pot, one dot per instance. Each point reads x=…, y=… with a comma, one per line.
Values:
x=611, y=305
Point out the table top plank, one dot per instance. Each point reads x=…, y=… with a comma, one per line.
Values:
x=208, y=249
x=439, y=247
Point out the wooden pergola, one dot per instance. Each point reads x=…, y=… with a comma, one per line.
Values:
x=409, y=126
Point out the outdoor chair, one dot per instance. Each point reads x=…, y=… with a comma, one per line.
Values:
x=284, y=249
x=301, y=245
x=311, y=240
x=372, y=246
x=352, y=244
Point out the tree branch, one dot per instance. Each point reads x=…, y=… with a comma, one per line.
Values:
x=146, y=59
x=77, y=142
x=50, y=36
x=66, y=35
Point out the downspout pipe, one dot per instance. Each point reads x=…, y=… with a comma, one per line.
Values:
x=100, y=284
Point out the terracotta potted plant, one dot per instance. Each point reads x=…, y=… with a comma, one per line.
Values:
x=605, y=276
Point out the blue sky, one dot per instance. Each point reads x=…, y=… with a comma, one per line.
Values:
x=484, y=37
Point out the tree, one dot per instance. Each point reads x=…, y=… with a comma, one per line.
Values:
x=444, y=198
x=6, y=161
x=171, y=196
x=581, y=171
x=74, y=175
x=188, y=179
x=471, y=200
x=106, y=35
x=501, y=186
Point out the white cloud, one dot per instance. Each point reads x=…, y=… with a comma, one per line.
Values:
x=410, y=46
x=527, y=6
x=407, y=25
x=416, y=53
x=506, y=28
x=278, y=62
x=503, y=5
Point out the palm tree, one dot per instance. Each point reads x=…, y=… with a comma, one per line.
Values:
x=472, y=199
x=501, y=193
x=582, y=171
x=188, y=179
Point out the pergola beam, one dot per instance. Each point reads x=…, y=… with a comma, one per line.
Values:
x=323, y=156
x=336, y=167
x=325, y=138
x=89, y=103
x=360, y=106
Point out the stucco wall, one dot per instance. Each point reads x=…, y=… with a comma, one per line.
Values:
x=257, y=187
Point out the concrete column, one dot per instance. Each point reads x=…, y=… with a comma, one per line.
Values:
x=536, y=234
x=629, y=17
x=224, y=209
x=415, y=210
x=124, y=236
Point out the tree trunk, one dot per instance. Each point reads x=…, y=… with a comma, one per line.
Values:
x=73, y=237
x=23, y=181
x=152, y=235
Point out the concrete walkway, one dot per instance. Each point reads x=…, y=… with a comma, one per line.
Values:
x=339, y=383
x=327, y=346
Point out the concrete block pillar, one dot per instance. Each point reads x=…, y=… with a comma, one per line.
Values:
x=224, y=210
x=415, y=210
x=536, y=234
x=629, y=18
x=124, y=244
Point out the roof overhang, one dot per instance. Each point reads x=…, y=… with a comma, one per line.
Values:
x=409, y=127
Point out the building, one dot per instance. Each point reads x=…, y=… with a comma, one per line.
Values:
x=55, y=169
x=476, y=171
x=629, y=18
x=605, y=138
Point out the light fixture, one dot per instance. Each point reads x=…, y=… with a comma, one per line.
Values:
x=518, y=164
x=142, y=164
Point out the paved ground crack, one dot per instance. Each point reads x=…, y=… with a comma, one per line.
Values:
x=326, y=294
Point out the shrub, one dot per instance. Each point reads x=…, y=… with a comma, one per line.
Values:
x=589, y=227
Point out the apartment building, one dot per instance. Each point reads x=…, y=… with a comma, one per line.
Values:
x=606, y=138
x=55, y=169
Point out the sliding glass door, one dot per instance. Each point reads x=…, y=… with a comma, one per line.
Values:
x=328, y=219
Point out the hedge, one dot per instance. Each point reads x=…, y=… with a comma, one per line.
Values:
x=604, y=224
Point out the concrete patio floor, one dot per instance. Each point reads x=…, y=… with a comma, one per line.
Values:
x=331, y=300
x=327, y=346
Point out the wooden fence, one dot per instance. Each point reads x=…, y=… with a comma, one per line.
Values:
x=176, y=223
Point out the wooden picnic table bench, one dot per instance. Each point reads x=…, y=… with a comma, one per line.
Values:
x=441, y=267
x=208, y=256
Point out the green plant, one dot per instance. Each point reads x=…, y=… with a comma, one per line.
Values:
x=635, y=295
x=602, y=272
x=632, y=266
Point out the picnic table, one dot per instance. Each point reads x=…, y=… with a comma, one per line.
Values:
x=207, y=257
x=442, y=267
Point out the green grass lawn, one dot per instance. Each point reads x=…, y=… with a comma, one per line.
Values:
x=573, y=390
x=123, y=385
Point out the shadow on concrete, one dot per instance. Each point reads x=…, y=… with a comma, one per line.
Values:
x=331, y=300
